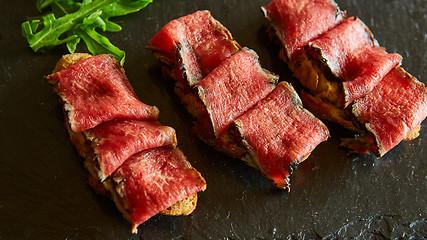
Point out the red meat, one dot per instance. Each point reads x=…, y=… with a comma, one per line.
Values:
x=354, y=56
x=96, y=90
x=394, y=110
x=233, y=87
x=115, y=141
x=280, y=133
x=297, y=22
x=153, y=180
x=198, y=41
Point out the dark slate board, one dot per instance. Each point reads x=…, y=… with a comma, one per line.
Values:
x=43, y=191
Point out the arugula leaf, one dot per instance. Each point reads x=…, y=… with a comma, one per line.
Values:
x=71, y=20
x=59, y=7
x=99, y=44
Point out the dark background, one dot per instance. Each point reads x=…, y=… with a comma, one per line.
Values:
x=43, y=189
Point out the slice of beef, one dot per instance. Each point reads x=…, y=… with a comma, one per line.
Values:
x=115, y=141
x=233, y=87
x=354, y=57
x=296, y=22
x=280, y=133
x=192, y=46
x=153, y=180
x=96, y=90
x=394, y=110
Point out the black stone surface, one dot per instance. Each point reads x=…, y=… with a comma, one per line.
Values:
x=43, y=190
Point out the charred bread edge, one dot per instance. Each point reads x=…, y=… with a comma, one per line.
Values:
x=83, y=145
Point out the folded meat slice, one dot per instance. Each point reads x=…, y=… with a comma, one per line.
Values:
x=151, y=181
x=392, y=112
x=96, y=90
x=115, y=141
x=279, y=133
x=233, y=87
x=296, y=22
x=344, y=64
x=192, y=46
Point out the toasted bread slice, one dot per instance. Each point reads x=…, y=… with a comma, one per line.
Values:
x=83, y=145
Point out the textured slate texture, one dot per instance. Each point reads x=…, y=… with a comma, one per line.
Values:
x=44, y=195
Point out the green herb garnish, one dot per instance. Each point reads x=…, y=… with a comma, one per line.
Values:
x=69, y=21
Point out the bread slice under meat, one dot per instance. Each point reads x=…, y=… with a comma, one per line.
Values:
x=106, y=188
